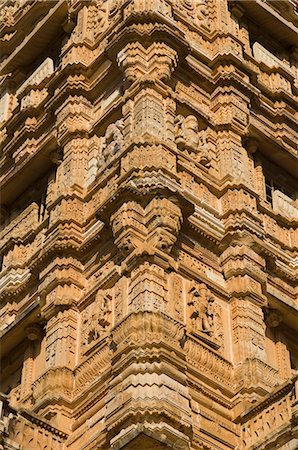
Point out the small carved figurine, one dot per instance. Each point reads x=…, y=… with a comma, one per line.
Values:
x=187, y=130
x=113, y=140
x=97, y=318
x=201, y=310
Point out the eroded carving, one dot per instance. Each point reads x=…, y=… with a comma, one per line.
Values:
x=201, y=310
x=157, y=224
x=157, y=61
x=96, y=318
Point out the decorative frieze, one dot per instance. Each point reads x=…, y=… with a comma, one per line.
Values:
x=148, y=157
x=31, y=432
x=176, y=304
x=147, y=289
x=73, y=118
x=143, y=327
x=92, y=367
x=268, y=421
x=61, y=339
x=149, y=116
x=39, y=76
x=149, y=7
x=208, y=362
x=196, y=10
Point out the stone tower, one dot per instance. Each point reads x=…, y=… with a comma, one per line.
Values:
x=148, y=289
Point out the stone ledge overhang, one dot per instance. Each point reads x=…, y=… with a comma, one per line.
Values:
x=276, y=394
x=46, y=30
x=159, y=31
x=10, y=417
x=268, y=18
x=26, y=172
x=285, y=305
x=22, y=21
x=15, y=332
x=272, y=146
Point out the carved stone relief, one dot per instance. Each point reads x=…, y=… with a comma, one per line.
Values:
x=197, y=10
x=111, y=143
x=147, y=289
x=136, y=303
x=201, y=310
x=176, y=293
x=97, y=319
x=157, y=61
x=158, y=225
x=192, y=139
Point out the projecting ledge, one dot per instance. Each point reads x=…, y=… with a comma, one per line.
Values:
x=268, y=18
x=38, y=39
x=16, y=331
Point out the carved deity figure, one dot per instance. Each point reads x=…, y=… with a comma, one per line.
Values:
x=204, y=157
x=113, y=140
x=96, y=318
x=201, y=309
x=187, y=132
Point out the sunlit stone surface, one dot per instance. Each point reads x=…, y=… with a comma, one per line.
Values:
x=148, y=236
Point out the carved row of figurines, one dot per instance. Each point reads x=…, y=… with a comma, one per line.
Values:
x=201, y=315
x=189, y=137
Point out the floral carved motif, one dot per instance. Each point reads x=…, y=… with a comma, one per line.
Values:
x=197, y=10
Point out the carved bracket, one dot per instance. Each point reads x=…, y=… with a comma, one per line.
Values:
x=157, y=61
x=157, y=225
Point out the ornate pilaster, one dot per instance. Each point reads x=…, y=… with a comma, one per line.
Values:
x=244, y=271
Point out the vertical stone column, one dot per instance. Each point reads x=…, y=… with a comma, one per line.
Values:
x=147, y=289
x=60, y=290
x=244, y=271
x=73, y=124
x=148, y=115
x=283, y=357
x=145, y=229
x=74, y=172
x=233, y=159
x=61, y=331
x=256, y=165
x=33, y=335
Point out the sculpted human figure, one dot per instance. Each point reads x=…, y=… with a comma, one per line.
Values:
x=187, y=129
x=113, y=140
x=201, y=309
x=208, y=310
x=204, y=149
x=193, y=304
x=98, y=318
x=104, y=309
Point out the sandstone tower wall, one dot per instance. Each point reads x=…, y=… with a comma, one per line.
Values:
x=148, y=285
